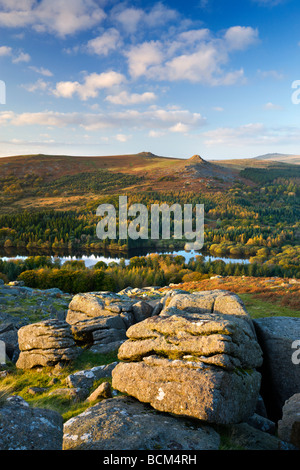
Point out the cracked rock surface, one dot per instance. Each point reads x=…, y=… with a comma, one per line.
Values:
x=122, y=423
x=198, y=358
x=100, y=319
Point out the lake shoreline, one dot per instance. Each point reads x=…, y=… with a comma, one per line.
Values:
x=91, y=259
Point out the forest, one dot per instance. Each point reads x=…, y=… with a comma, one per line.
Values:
x=259, y=222
x=268, y=216
x=32, y=185
x=267, y=175
x=73, y=276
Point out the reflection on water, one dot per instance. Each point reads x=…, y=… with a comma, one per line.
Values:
x=91, y=260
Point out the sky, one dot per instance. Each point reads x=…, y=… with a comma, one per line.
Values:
x=218, y=78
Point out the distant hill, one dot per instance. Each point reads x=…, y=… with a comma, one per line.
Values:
x=146, y=164
x=280, y=157
x=161, y=172
x=30, y=182
x=258, y=162
x=264, y=169
x=54, y=166
x=63, y=182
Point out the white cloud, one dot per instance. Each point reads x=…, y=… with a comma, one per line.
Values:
x=54, y=16
x=22, y=57
x=198, y=66
x=123, y=138
x=169, y=118
x=47, y=118
x=90, y=87
x=157, y=119
x=249, y=135
x=68, y=16
x=41, y=71
x=31, y=142
x=156, y=134
x=131, y=18
x=5, y=51
x=143, y=56
x=230, y=78
x=73, y=49
x=39, y=85
x=14, y=14
x=204, y=3
x=159, y=15
x=20, y=5
x=124, y=98
x=232, y=136
x=105, y=43
x=240, y=37
x=194, y=35
x=180, y=128
x=274, y=74
x=269, y=3
x=66, y=89
x=6, y=117
x=203, y=66
x=194, y=55
x=271, y=106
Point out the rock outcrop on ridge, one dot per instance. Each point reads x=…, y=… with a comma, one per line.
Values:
x=189, y=361
x=100, y=319
x=45, y=344
x=197, y=358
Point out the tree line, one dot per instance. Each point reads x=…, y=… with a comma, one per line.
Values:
x=73, y=276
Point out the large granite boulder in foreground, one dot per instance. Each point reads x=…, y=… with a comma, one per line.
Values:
x=99, y=320
x=26, y=428
x=122, y=423
x=278, y=337
x=289, y=425
x=197, y=358
x=46, y=344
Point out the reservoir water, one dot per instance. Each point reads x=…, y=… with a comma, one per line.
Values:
x=91, y=260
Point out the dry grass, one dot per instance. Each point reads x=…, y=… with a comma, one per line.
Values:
x=5, y=393
x=283, y=294
x=52, y=203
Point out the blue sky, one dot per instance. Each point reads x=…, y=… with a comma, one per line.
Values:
x=102, y=77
